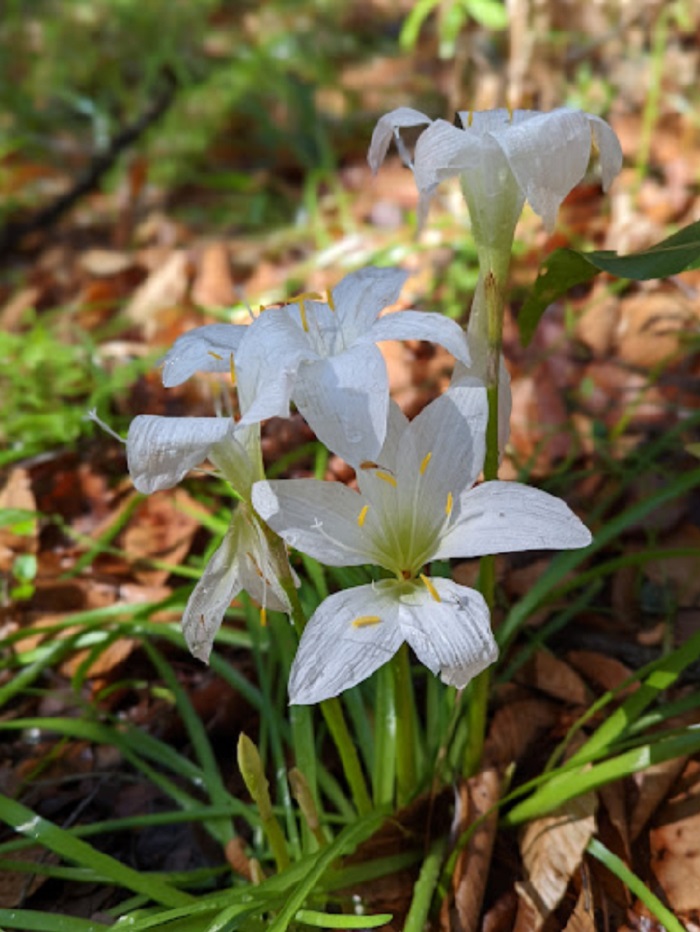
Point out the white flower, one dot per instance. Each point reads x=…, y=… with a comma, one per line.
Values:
x=416, y=504
x=321, y=356
x=160, y=452
x=502, y=158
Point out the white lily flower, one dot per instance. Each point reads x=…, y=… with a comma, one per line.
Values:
x=321, y=356
x=160, y=452
x=502, y=158
x=416, y=504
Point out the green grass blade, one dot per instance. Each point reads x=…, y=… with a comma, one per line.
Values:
x=327, y=921
x=65, y=844
x=29, y=920
x=635, y=885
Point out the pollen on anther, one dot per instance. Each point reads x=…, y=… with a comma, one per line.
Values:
x=430, y=586
x=263, y=617
x=364, y=620
x=448, y=504
x=232, y=368
x=362, y=516
x=471, y=118
x=331, y=302
x=215, y=355
x=424, y=462
x=385, y=477
x=302, y=314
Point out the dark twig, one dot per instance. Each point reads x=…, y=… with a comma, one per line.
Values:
x=13, y=233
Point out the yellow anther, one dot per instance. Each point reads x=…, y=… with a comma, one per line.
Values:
x=424, y=462
x=232, y=368
x=510, y=113
x=331, y=302
x=364, y=620
x=362, y=515
x=470, y=120
x=215, y=355
x=430, y=586
x=302, y=313
x=263, y=617
x=385, y=477
x=448, y=504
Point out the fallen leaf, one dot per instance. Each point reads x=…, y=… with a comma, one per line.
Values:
x=675, y=852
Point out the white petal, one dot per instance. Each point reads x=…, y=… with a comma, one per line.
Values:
x=402, y=117
x=609, y=149
x=267, y=363
x=453, y=636
x=205, y=349
x=360, y=296
x=435, y=152
x=548, y=155
x=505, y=517
x=345, y=399
x=420, y=325
x=452, y=429
x=318, y=518
x=476, y=375
x=212, y=595
x=259, y=569
x=160, y=451
x=334, y=654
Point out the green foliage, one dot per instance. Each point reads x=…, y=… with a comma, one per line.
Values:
x=50, y=377
x=565, y=268
x=454, y=16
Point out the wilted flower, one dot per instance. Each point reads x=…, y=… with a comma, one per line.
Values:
x=414, y=505
x=502, y=158
x=160, y=452
x=321, y=356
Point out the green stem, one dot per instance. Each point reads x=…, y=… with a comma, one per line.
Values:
x=331, y=709
x=405, y=735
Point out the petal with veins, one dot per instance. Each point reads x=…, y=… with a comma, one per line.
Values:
x=160, y=451
x=345, y=400
x=360, y=297
x=506, y=517
x=421, y=325
x=385, y=131
x=204, y=349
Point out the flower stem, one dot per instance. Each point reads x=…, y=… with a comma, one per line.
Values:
x=405, y=736
x=331, y=709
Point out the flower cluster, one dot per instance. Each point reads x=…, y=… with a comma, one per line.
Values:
x=416, y=500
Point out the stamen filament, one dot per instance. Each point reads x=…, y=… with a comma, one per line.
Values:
x=362, y=516
x=232, y=368
x=331, y=302
x=385, y=477
x=215, y=355
x=448, y=504
x=471, y=118
x=424, y=462
x=430, y=586
x=302, y=312
x=364, y=620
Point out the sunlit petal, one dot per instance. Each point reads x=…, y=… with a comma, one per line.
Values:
x=204, y=349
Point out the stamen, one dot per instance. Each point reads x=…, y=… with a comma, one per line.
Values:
x=302, y=312
x=369, y=464
x=331, y=302
x=424, y=462
x=430, y=586
x=385, y=477
x=364, y=620
x=362, y=515
x=510, y=113
x=215, y=355
x=232, y=368
x=470, y=120
x=263, y=617
x=448, y=504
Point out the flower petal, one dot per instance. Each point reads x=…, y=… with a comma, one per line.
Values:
x=345, y=399
x=421, y=325
x=360, y=296
x=334, y=654
x=160, y=451
x=212, y=595
x=204, y=349
x=318, y=518
x=266, y=366
x=609, y=149
x=505, y=517
x=549, y=155
x=385, y=131
x=452, y=636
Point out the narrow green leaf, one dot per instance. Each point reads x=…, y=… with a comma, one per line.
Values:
x=30, y=920
x=310, y=917
x=63, y=843
x=635, y=885
x=565, y=268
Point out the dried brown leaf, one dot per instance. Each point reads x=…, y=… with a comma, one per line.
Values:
x=675, y=852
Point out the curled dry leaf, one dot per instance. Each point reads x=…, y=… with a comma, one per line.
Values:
x=552, y=850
